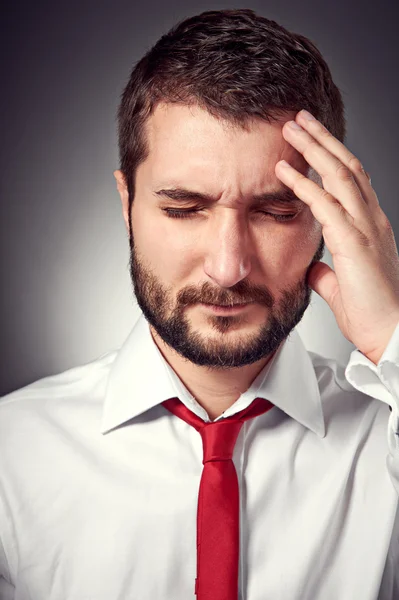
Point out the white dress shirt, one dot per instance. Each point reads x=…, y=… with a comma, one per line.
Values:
x=99, y=482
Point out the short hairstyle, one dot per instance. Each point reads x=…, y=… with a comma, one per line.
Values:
x=235, y=64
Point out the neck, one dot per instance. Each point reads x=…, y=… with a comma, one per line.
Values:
x=214, y=389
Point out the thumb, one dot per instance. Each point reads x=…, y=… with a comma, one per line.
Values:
x=323, y=280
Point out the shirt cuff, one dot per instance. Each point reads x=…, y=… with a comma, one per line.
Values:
x=380, y=381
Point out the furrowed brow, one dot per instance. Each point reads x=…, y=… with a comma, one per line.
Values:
x=184, y=195
x=282, y=196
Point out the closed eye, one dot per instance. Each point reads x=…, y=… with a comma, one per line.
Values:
x=174, y=213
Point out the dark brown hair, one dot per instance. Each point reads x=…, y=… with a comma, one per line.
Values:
x=235, y=64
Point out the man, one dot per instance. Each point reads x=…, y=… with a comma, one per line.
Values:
x=116, y=481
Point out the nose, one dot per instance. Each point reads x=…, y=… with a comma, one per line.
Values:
x=228, y=255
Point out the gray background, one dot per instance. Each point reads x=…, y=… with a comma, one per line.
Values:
x=66, y=294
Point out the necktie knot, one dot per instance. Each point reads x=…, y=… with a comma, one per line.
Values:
x=219, y=438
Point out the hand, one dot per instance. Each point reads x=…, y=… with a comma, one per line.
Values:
x=363, y=289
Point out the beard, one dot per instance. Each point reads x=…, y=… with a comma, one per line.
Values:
x=168, y=317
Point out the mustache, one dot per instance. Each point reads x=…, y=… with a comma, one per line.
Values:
x=241, y=293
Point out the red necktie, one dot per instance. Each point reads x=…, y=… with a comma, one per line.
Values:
x=218, y=500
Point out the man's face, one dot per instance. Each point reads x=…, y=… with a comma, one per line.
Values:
x=227, y=252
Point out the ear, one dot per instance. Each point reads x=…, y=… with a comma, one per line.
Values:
x=124, y=194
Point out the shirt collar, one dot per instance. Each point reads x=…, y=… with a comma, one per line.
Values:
x=141, y=378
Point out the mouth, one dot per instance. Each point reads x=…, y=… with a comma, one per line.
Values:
x=226, y=308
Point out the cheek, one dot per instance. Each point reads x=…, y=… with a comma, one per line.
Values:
x=157, y=243
x=289, y=251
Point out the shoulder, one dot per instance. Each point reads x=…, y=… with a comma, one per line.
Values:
x=52, y=401
x=341, y=400
x=329, y=371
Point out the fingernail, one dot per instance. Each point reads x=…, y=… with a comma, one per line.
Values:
x=294, y=125
x=284, y=163
x=307, y=115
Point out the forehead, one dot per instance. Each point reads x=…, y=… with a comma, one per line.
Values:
x=186, y=142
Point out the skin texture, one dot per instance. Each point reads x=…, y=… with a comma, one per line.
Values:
x=228, y=252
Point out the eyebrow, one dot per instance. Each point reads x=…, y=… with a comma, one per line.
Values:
x=184, y=195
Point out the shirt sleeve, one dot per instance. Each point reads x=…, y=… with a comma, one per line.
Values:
x=381, y=381
x=7, y=590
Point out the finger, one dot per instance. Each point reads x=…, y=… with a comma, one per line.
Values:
x=340, y=151
x=337, y=178
x=326, y=209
